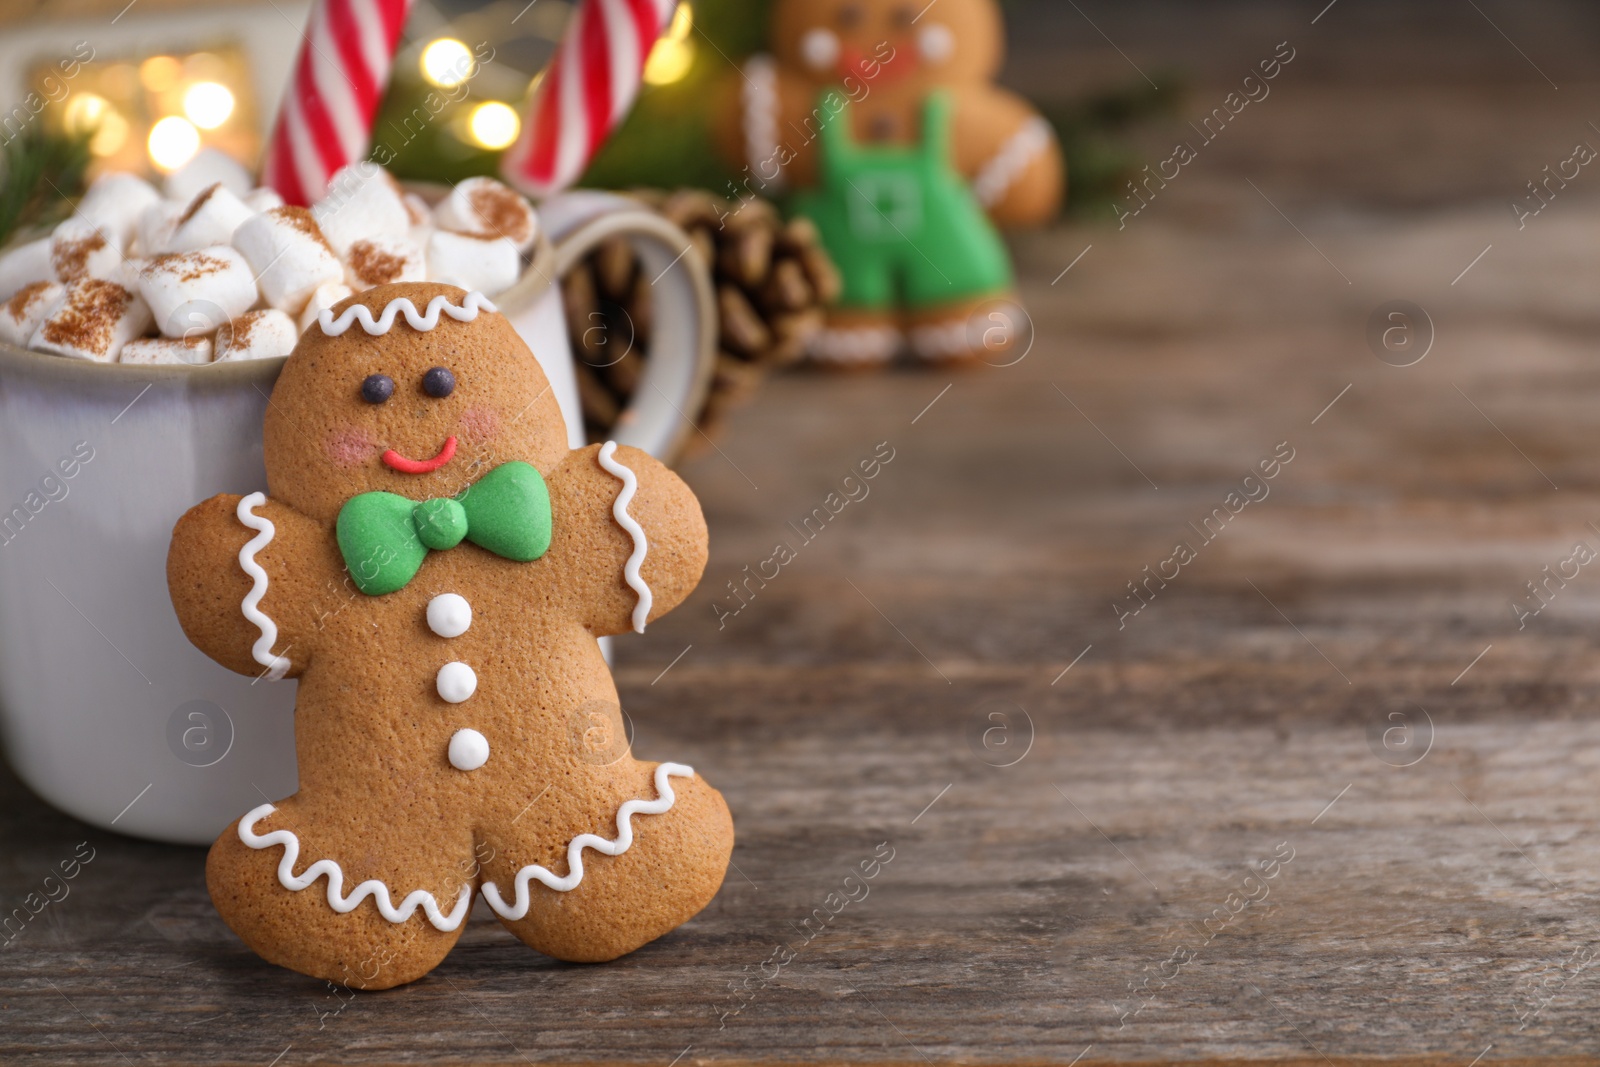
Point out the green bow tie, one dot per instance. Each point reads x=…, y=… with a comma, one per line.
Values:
x=385, y=537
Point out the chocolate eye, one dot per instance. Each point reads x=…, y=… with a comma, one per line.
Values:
x=849, y=16
x=376, y=388
x=905, y=17
x=438, y=383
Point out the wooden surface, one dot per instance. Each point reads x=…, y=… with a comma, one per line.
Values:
x=1254, y=709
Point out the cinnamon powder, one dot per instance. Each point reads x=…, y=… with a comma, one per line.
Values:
x=17, y=307
x=237, y=331
x=88, y=318
x=302, y=220
x=187, y=266
x=198, y=202
x=71, y=258
x=503, y=211
x=373, y=266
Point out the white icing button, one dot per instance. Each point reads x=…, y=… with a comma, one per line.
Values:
x=449, y=615
x=469, y=750
x=456, y=682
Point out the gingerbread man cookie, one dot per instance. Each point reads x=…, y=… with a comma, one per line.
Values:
x=434, y=564
x=880, y=117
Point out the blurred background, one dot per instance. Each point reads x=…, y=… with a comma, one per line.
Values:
x=172, y=75
x=1428, y=156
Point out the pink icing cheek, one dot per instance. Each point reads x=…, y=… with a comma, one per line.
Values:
x=349, y=447
x=478, y=425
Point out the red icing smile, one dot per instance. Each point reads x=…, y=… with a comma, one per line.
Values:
x=860, y=62
x=400, y=463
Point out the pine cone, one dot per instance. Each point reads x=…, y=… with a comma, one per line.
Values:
x=772, y=280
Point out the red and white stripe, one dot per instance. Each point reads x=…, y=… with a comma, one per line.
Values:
x=325, y=121
x=585, y=93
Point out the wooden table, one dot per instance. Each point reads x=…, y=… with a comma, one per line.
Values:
x=1319, y=799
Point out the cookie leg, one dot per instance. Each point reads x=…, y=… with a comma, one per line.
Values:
x=296, y=926
x=671, y=869
x=985, y=329
x=855, y=339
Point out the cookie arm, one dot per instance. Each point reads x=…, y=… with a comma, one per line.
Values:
x=1010, y=154
x=764, y=123
x=600, y=525
x=239, y=571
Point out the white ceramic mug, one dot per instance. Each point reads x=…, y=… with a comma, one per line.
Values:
x=106, y=710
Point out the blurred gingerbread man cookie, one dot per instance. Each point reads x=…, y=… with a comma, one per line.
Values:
x=434, y=564
x=881, y=118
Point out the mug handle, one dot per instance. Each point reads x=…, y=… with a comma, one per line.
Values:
x=677, y=373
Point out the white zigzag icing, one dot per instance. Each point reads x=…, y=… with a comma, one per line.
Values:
x=372, y=887
x=941, y=340
x=421, y=898
x=760, y=99
x=465, y=312
x=261, y=651
x=665, y=798
x=863, y=344
x=619, y=511
x=1007, y=165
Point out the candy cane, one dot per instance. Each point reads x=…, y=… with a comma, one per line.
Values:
x=586, y=91
x=339, y=79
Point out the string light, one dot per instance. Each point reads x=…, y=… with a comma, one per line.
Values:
x=682, y=23
x=447, y=62
x=160, y=73
x=494, y=125
x=673, y=53
x=156, y=111
x=208, y=104
x=91, y=111
x=173, y=142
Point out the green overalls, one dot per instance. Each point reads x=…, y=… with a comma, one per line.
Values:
x=900, y=223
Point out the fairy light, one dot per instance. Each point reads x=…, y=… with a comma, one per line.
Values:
x=682, y=23
x=673, y=53
x=160, y=73
x=208, y=104
x=91, y=113
x=173, y=141
x=447, y=62
x=494, y=125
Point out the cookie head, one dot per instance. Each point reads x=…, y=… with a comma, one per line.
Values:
x=867, y=43
x=391, y=402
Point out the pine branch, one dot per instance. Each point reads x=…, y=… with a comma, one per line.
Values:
x=41, y=172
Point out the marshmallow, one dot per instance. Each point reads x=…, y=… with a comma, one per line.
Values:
x=196, y=261
x=256, y=335
x=115, y=202
x=24, y=265
x=93, y=321
x=193, y=293
x=189, y=350
x=325, y=297
x=210, y=219
x=264, y=198
x=80, y=249
x=289, y=254
x=484, y=207
x=156, y=226
x=128, y=272
x=421, y=235
x=421, y=220
x=421, y=214
x=207, y=167
x=380, y=260
x=488, y=265
x=21, y=315
x=362, y=201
